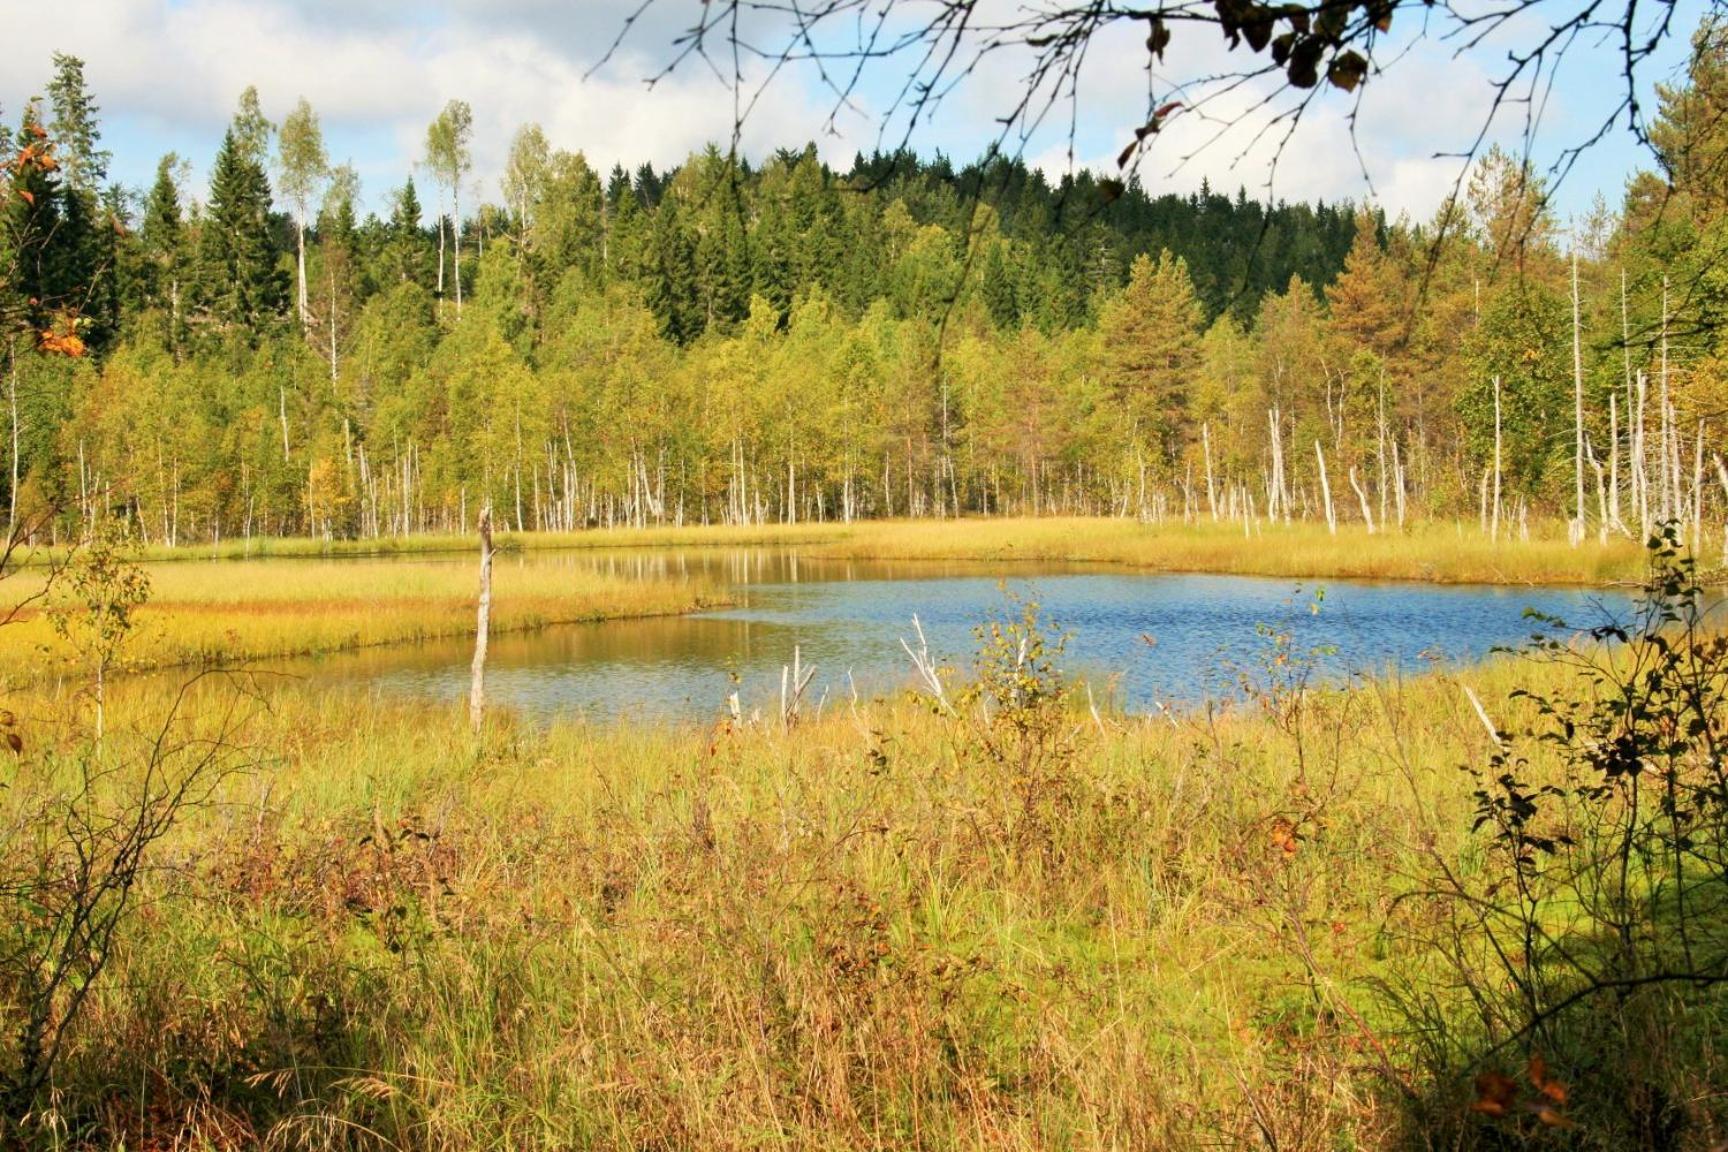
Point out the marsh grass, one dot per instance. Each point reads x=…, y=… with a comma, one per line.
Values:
x=1436, y=552
x=847, y=935
x=888, y=926
x=1433, y=553
x=223, y=614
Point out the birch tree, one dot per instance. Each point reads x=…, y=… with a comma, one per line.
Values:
x=302, y=167
x=447, y=155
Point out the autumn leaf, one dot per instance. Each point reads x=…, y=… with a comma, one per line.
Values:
x=1495, y=1094
x=1552, y=1117
x=1347, y=70
x=1283, y=836
x=27, y=196
x=1553, y=1089
x=61, y=344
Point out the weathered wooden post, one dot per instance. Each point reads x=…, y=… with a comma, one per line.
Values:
x=477, y=684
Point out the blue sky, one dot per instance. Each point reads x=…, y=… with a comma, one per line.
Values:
x=167, y=74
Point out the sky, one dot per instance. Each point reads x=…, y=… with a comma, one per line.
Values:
x=167, y=75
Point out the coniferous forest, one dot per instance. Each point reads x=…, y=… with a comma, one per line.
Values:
x=778, y=341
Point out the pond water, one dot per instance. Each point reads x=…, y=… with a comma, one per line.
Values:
x=1141, y=641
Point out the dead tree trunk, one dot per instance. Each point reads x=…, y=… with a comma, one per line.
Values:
x=1362, y=499
x=477, y=681
x=1326, y=491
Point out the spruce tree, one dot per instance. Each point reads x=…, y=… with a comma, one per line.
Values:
x=82, y=249
x=671, y=277
x=161, y=279
x=405, y=244
x=242, y=285
x=1001, y=298
x=74, y=127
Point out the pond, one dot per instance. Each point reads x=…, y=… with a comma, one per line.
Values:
x=1140, y=641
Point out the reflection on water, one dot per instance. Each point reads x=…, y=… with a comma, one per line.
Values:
x=1139, y=638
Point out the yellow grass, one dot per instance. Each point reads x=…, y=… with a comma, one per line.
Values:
x=859, y=934
x=227, y=612
x=1435, y=553
x=1443, y=553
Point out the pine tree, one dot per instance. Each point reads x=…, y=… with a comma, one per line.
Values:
x=1368, y=301
x=1151, y=348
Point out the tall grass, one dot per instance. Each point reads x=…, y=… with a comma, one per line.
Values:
x=859, y=933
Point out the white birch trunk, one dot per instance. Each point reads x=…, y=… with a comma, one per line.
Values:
x=477, y=675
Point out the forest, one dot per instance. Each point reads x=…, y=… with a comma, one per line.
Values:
x=781, y=342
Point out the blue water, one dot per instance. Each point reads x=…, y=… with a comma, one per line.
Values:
x=1141, y=642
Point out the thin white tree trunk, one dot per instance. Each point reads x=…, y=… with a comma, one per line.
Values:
x=1494, y=531
x=477, y=675
x=300, y=271
x=1211, y=498
x=332, y=325
x=12, y=398
x=456, y=235
x=1326, y=490
x=1362, y=498
x=1670, y=482
x=1577, y=532
x=1614, y=520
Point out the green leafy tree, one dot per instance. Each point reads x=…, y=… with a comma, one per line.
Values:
x=302, y=167
x=448, y=141
x=93, y=610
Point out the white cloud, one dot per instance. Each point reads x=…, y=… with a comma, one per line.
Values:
x=176, y=71
x=167, y=74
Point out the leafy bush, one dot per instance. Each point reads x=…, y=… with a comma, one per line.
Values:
x=1589, y=929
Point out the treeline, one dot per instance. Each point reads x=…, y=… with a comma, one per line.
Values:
x=785, y=342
